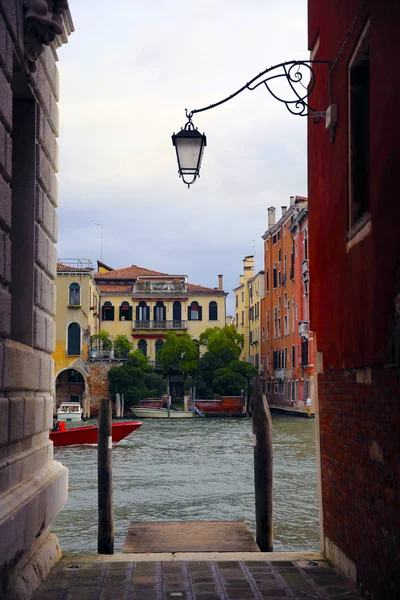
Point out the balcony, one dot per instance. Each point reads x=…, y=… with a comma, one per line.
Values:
x=304, y=329
x=160, y=286
x=304, y=269
x=160, y=325
x=279, y=373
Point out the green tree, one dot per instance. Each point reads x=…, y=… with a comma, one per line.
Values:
x=179, y=353
x=217, y=339
x=136, y=379
x=102, y=339
x=227, y=382
x=122, y=346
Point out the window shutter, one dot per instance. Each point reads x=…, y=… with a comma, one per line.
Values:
x=137, y=313
x=147, y=314
x=200, y=313
x=304, y=352
x=189, y=313
x=164, y=313
x=129, y=314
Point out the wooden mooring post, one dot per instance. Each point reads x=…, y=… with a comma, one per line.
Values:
x=105, y=535
x=263, y=471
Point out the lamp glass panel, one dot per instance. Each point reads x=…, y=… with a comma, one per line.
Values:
x=189, y=150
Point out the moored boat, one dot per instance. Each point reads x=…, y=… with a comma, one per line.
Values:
x=162, y=413
x=89, y=433
x=69, y=411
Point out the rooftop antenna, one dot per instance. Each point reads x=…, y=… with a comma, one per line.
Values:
x=101, y=241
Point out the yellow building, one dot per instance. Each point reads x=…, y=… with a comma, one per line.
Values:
x=242, y=304
x=255, y=294
x=76, y=321
x=145, y=305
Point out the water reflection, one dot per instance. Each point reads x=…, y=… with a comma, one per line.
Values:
x=198, y=469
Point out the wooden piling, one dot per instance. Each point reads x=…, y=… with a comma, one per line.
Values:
x=263, y=471
x=105, y=536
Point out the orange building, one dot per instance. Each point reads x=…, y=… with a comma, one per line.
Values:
x=286, y=349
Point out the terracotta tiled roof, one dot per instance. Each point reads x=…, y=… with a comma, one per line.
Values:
x=114, y=288
x=61, y=268
x=302, y=198
x=192, y=287
x=128, y=273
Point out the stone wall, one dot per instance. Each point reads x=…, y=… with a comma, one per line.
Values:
x=360, y=449
x=33, y=487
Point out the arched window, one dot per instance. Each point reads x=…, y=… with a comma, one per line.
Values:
x=142, y=346
x=107, y=312
x=125, y=312
x=195, y=312
x=213, y=311
x=142, y=312
x=159, y=345
x=177, y=313
x=74, y=339
x=74, y=294
x=159, y=311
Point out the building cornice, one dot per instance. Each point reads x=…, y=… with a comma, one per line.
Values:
x=46, y=22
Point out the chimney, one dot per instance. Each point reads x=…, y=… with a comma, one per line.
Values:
x=284, y=209
x=292, y=198
x=271, y=216
x=220, y=284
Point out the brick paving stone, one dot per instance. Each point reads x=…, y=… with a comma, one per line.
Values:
x=240, y=594
x=145, y=596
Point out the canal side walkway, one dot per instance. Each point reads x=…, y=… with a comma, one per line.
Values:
x=196, y=576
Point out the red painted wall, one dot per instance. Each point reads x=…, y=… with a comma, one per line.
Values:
x=353, y=297
x=352, y=300
x=227, y=404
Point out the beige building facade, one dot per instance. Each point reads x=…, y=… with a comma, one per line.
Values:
x=242, y=305
x=144, y=305
x=33, y=486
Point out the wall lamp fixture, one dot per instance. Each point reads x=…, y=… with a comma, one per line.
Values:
x=190, y=143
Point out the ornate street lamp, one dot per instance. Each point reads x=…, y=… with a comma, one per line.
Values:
x=189, y=143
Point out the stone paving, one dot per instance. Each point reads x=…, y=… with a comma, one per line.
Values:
x=194, y=580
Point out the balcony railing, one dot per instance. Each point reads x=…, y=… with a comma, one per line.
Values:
x=160, y=286
x=304, y=268
x=176, y=324
x=304, y=329
x=279, y=373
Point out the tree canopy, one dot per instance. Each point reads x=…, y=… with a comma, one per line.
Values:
x=217, y=339
x=122, y=346
x=179, y=353
x=136, y=379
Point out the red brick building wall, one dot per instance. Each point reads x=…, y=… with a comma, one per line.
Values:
x=360, y=449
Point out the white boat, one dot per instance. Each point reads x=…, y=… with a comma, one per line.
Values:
x=69, y=411
x=160, y=413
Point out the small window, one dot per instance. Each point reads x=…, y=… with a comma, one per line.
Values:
x=359, y=131
x=107, y=312
x=125, y=312
x=159, y=311
x=279, y=256
x=74, y=294
x=237, y=300
x=213, y=311
x=242, y=296
x=142, y=312
x=195, y=312
x=142, y=346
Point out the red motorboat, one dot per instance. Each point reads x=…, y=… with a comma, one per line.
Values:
x=89, y=433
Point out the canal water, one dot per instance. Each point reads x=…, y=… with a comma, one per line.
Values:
x=200, y=469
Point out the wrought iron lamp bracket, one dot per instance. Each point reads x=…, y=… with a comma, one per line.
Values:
x=294, y=72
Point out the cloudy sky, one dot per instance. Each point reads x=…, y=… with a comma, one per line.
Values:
x=130, y=69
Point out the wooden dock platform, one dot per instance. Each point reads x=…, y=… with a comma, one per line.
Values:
x=189, y=536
